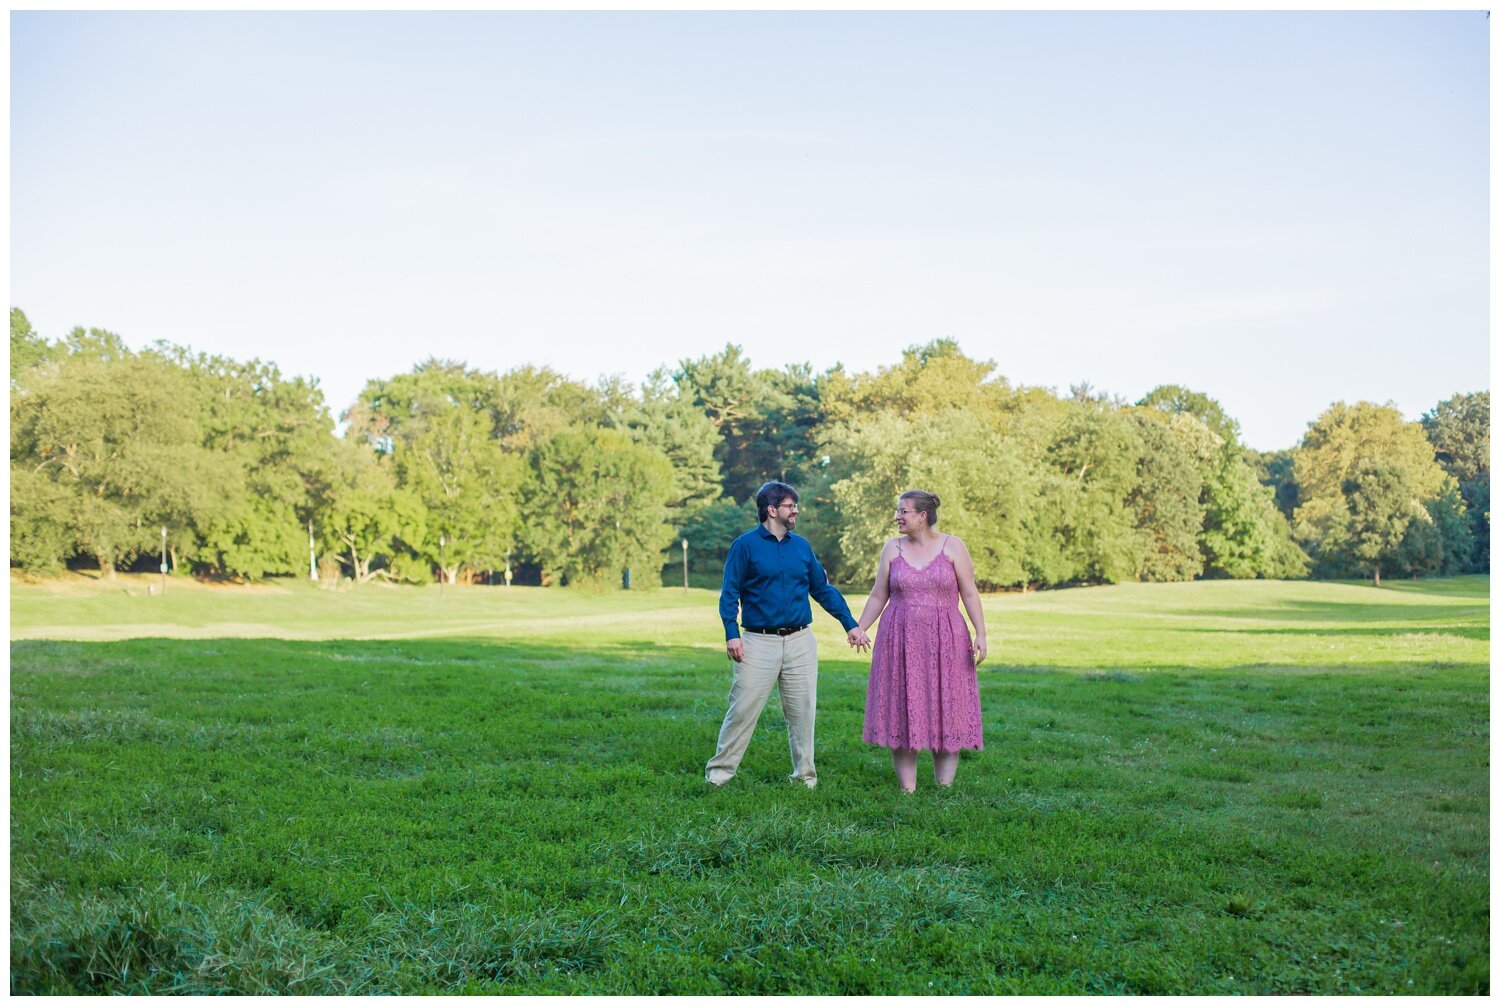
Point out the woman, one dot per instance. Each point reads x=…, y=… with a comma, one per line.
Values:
x=924, y=692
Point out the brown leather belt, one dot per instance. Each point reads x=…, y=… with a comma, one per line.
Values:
x=775, y=632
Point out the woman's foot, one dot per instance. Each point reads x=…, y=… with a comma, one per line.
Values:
x=944, y=767
x=904, y=760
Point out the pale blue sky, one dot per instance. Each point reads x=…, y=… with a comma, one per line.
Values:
x=1280, y=210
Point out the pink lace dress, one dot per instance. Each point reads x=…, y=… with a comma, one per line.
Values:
x=924, y=692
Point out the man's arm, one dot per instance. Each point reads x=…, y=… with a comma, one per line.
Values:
x=729, y=593
x=826, y=594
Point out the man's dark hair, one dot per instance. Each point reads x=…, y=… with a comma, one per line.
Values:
x=773, y=494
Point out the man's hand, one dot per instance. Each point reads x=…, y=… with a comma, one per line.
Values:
x=735, y=648
x=858, y=639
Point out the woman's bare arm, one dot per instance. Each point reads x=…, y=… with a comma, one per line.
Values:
x=880, y=591
x=963, y=566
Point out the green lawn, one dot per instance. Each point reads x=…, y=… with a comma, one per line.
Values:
x=1223, y=787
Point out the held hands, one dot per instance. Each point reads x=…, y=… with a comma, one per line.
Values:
x=980, y=650
x=735, y=648
x=859, y=639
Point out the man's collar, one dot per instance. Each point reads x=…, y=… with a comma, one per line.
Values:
x=765, y=532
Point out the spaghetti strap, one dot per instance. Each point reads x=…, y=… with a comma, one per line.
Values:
x=944, y=549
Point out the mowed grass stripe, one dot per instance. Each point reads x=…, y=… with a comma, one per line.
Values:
x=519, y=807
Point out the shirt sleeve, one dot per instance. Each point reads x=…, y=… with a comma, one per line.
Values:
x=826, y=594
x=729, y=594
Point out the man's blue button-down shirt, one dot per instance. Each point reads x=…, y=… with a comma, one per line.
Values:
x=769, y=581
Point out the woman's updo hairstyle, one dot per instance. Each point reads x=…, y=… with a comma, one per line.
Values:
x=922, y=502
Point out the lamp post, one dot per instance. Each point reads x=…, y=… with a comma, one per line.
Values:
x=163, y=560
x=312, y=556
x=442, y=565
x=684, y=565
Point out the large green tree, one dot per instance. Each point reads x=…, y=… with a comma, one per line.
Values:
x=1174, y=398
x=388, y=408
x=1168, y=495
x=1245, y=535
x=468, y=486
x=1094, y=451
x=664, y=419
x=1241, y=536
x=767, y=420
x=985, y=484
x=784, y=445
x=111, y=447
x=44, y=531
x=524, y=406
x=1447, y=512
x=367, y=518
x=1382, y=503
x=460, y=439
x=533, y=403
x=1277, y=471
x=1438, y=539
x=1363, y=473
x=929, y=379
x=597, y=505
x=277, y=435
x=1459, y=430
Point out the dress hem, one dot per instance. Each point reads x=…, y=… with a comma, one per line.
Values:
x=970, y=746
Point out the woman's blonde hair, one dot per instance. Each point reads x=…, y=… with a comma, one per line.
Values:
x=924, y=502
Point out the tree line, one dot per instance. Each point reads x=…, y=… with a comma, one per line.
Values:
x=457, y=472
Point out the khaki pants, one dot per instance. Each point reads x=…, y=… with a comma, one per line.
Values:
x=790, y=662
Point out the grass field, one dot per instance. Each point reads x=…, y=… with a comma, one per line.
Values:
x=1221, y=787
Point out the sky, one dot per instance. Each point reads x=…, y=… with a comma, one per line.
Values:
x=1280, y=210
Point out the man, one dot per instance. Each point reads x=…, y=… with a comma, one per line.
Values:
x=768, y=577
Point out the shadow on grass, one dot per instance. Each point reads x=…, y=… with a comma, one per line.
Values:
x=1332, y=611
x=1462, y=631
x=1474, y=585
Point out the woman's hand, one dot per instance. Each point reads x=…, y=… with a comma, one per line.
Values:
x=980, y=650
x=858, y=639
